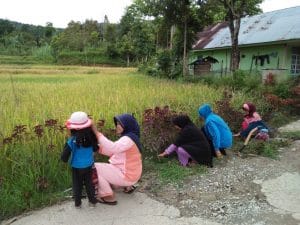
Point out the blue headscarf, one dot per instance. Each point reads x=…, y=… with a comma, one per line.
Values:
x=206, y=112
x=131, y=128
x=222, y=138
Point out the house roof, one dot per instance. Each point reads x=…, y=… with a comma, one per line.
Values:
x=275, y=26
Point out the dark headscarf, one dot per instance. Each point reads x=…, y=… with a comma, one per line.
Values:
x=131, y=128
x=182, y=121
x=192, y=140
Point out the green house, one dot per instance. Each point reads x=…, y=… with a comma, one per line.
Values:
x=268, y=42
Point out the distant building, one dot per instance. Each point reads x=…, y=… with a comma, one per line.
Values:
x=267, y=42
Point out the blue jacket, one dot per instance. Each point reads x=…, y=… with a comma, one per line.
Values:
x=216, y=128
x=82, y=157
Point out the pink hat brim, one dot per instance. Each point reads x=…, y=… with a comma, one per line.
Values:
x=75, y=126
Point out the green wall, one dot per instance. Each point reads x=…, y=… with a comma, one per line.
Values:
x=279, y=57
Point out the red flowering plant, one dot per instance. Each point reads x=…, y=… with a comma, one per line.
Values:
x=232, y=116
x=157, y=132
x=270, y=79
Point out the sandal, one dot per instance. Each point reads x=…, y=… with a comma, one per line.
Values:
x=131, y=190
x=103, y=201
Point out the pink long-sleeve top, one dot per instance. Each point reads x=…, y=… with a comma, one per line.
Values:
x=123, y=154
x=250, y=119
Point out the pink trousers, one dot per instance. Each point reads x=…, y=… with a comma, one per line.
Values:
x=108, y=176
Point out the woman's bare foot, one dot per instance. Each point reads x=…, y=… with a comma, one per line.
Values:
x=219, y=155
x=130, y=189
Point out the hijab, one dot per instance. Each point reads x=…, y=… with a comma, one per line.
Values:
x=250, y=108
x=131, y=128
x=182, y=121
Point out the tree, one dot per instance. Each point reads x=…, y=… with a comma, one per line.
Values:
x=49, y=31
x=5, y=27
x=104, y=28
x=38, y=35
x=235, y=10
x=139, y=34
x=174, y=13
x=77, y=36
x=126, y=47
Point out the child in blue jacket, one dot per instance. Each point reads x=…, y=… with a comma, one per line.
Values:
x=80, y=146
x=216, y=130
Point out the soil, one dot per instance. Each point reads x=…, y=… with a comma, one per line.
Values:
x=239, y=190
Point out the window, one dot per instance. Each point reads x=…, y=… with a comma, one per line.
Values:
x=295, y=66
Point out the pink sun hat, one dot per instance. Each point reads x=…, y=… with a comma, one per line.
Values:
x=78, y=120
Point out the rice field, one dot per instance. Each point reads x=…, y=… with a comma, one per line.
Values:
x=33, y=96
x=29, y=95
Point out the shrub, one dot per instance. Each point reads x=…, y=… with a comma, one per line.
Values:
x=283, y=96
x=87, y=58
x=282, y=90
x=157, y=131
x=238, y=80
x=43, y=53
x=164, y=61
x=232, y=116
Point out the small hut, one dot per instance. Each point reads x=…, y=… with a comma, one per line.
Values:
x=202, y=66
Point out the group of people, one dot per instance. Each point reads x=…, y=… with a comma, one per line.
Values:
x=124, y=167
x=125, y=161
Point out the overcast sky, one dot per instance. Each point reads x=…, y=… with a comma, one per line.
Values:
x=61, y=12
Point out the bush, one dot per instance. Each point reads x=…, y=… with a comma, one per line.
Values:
x=233, y=117
x=44, y=53
x=87, y=58
x=164, y=61
x=238, y=80
x=157, y=131
x=282, y=90
x=253, y=83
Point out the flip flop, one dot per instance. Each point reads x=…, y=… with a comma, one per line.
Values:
x=103, y=201
x=133, y=188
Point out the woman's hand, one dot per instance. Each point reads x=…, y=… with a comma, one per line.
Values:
x=94, y=129
x=236, y=135
x=162, y=154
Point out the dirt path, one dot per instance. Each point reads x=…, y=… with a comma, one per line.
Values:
x=248, y=191
x=239, y=191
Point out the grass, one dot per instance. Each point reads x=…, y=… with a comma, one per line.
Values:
x=295, y=135
x=264, y=148
x=168, y=170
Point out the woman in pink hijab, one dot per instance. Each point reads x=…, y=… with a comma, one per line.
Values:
x=252, y=120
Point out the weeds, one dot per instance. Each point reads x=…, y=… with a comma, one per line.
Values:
x=291, y=135
x=264, y=148
x=30, y=169
x=170, y=171
x=232, y=116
